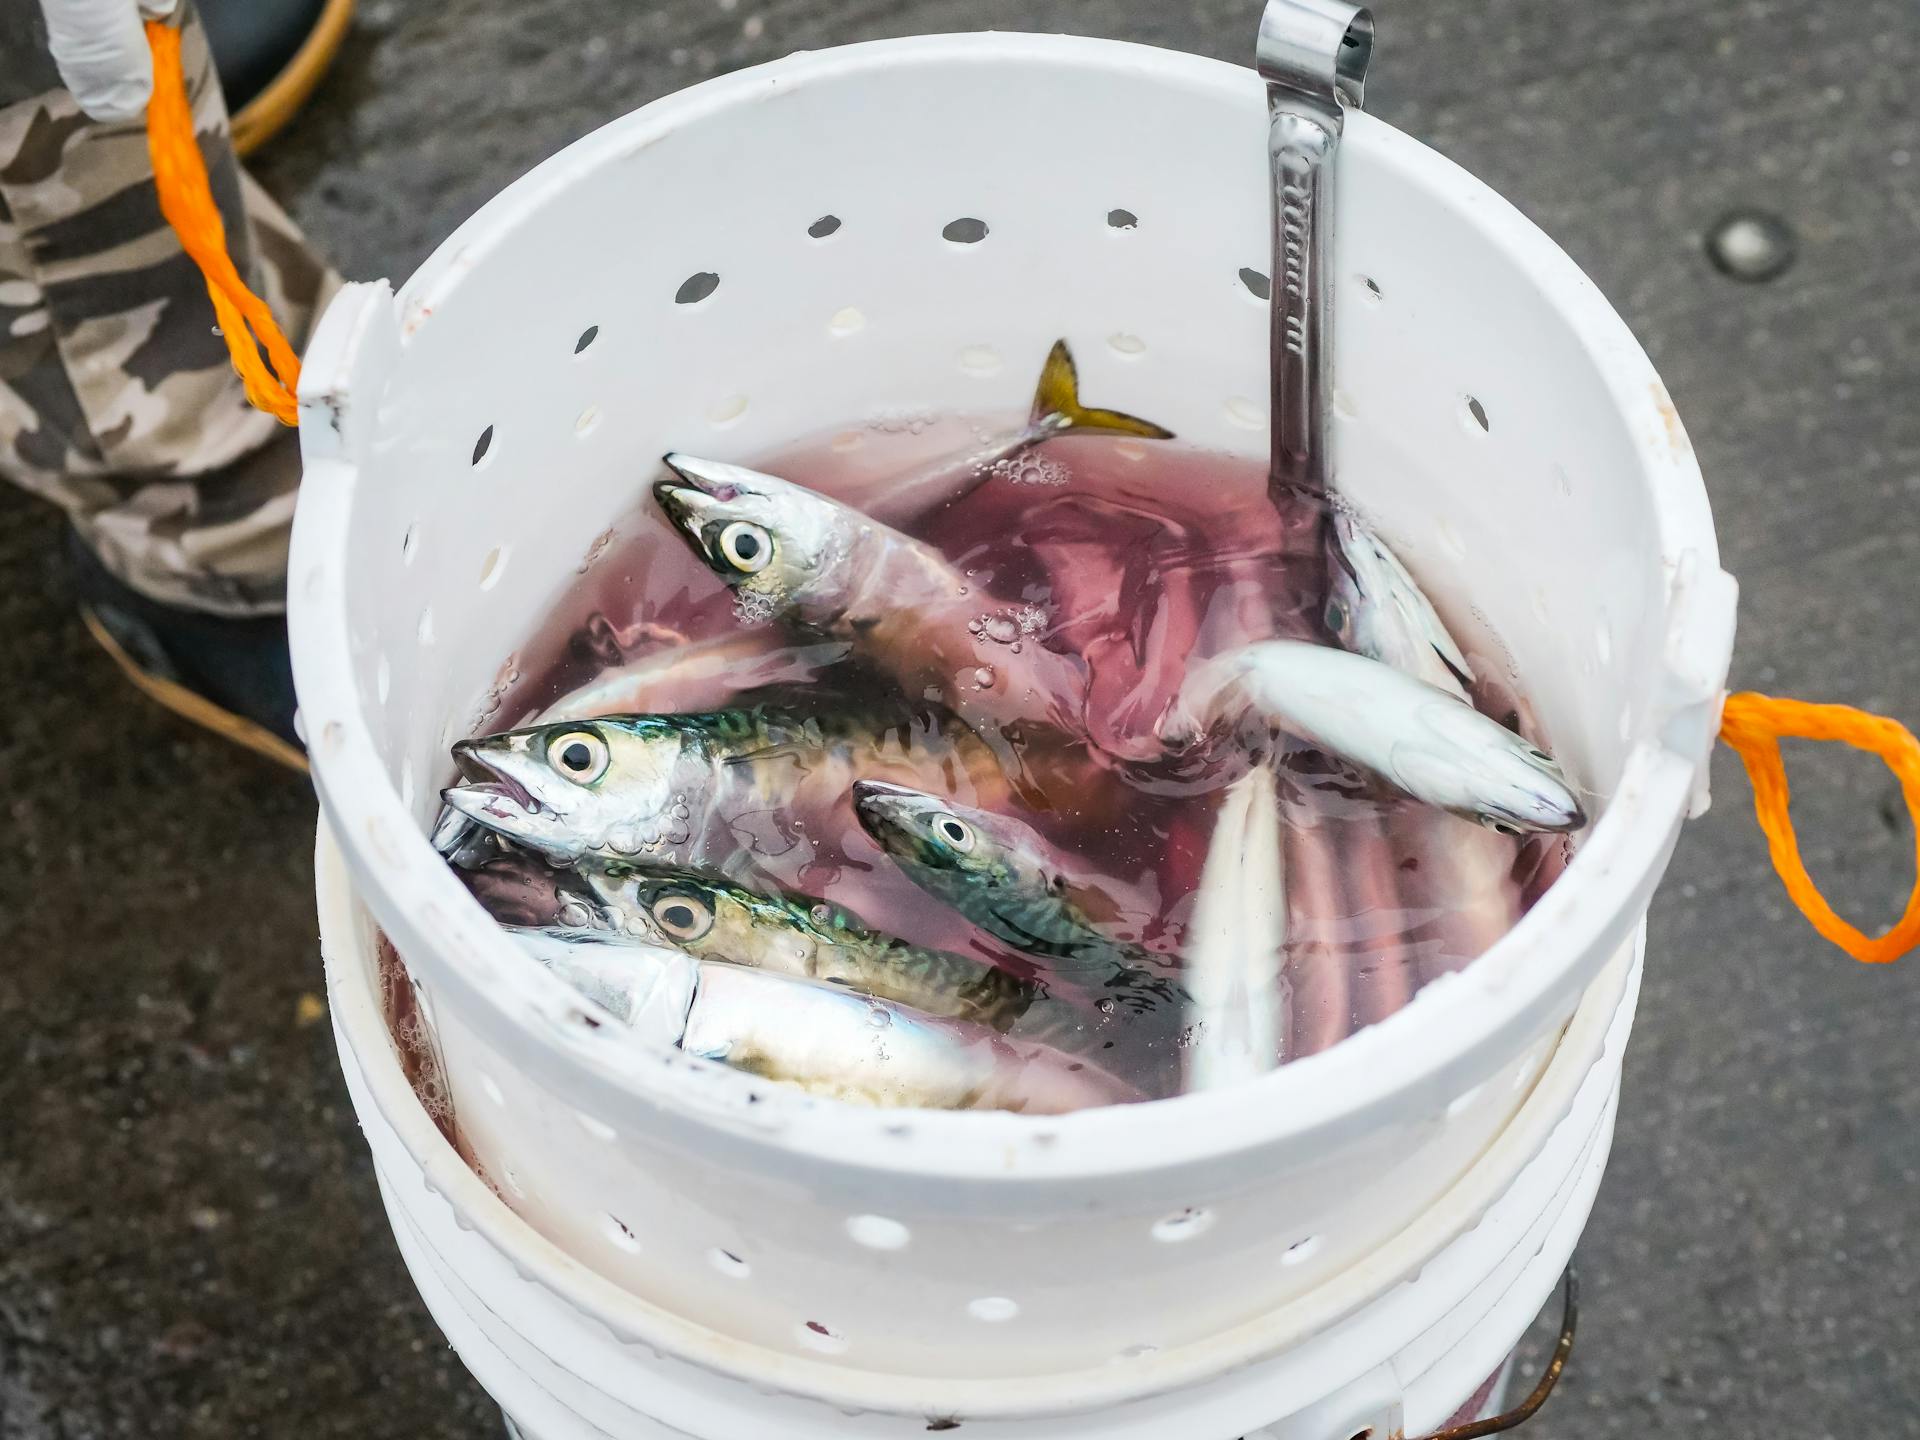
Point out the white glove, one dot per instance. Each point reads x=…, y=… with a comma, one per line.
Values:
x=102, y=53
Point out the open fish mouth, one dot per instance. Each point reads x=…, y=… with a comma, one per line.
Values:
x=482, y=777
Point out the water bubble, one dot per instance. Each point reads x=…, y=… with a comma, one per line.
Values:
x=983, y=677
x=1107, y=1005
x=1031, y=619
x=1002, y=629
x=879, y=1017
x=1030, y=469
x=821, y=914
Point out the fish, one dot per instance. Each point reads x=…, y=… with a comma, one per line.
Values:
x=1236, y=943
x=712, y=918
x=682, y=675
x=1001, y=874
x=797, y=557
x=1056, y=410
x=818, y=1037
x=1458, y=876
x=1376, y=609
x=663, y=788
x=1424, y=741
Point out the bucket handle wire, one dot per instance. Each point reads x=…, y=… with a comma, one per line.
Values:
x=1527, y=1408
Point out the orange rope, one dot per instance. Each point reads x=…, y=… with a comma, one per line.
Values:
x=1753, y=725
x=186, y=199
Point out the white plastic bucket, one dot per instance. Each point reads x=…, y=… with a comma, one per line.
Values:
x=770, y=1251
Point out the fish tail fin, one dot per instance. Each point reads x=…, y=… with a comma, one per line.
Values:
x=1057, y=407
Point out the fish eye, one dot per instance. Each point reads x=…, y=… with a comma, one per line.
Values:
x=955, y=831
x=683, y=917
x=746, y=547
x=1336, y=616
x=580, y=755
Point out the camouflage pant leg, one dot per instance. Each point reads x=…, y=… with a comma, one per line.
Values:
x=117, y=398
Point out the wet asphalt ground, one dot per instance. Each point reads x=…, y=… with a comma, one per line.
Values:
x=190, y=1240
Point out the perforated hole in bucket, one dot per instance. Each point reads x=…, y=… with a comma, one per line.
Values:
x=818, y=1335
x=1460, y=1104
x=845, y=322
x=1122, y=219
x=824, y=227
x=1258, y=283
x=1188, y=1224
x=424, y=634
x=593, y=1125
x=406, y=784
x=382, y=679
x=729, y=1264
x=696, y=288
x=965, y=231
x=1603, y=640
x=410, y=543
x=727, y=410
x=491, y=1089
x=1370, y=289
x=587, y=421
x=980, y=360
x=494, y=566
x=483, y=447
x=1132, y=347
x=587, y=337
x=1301, y=1250
x=617, y=1233
x=1245, y=413
x=1474, y=416
x=993, y=1309
x=877, y=1232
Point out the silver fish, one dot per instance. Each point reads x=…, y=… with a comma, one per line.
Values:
x=714, y=919
x=793, y=555
x=1236, y=943
x=1003, y=876
x=665, y=788
x=818, y=1037
x=1378, y=610
x=1424, y=741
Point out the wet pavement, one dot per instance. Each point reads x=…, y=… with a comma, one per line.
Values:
x=190, y=1240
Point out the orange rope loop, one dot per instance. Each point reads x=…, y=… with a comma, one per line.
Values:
x=1753, y=725
x=186, y=199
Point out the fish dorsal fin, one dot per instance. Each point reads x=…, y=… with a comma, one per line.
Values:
x=1057, y=407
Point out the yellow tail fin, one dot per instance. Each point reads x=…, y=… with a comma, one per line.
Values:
x=1057, y=407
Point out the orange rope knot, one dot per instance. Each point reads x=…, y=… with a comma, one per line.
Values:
x=1754, y=725
x=186, y=199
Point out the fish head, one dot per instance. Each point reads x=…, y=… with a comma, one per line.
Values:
x=931, y=833
x=776, y=543
x=714, y=919
x=576, y=788
x=1500, y=779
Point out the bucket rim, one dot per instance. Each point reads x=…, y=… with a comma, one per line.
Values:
x=1449, y=1038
